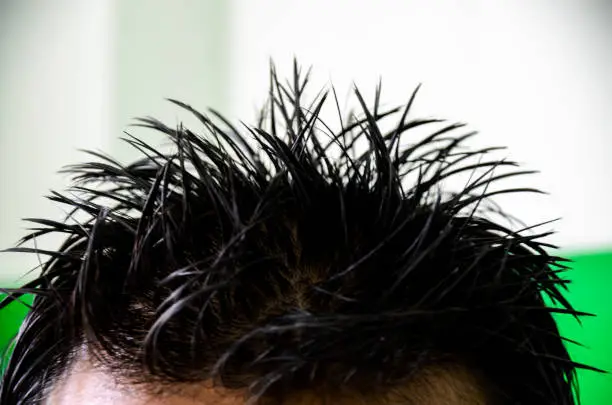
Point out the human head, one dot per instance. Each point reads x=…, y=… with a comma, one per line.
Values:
x=283, y=262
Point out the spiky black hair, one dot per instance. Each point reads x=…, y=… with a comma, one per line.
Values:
x=285, y=255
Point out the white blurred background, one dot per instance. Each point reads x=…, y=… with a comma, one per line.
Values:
x=531, y=75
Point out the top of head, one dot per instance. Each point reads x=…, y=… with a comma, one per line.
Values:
x=281, y=259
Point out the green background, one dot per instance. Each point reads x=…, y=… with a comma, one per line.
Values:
x=591, y=277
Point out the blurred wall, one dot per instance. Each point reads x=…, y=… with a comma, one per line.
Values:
x=55, y=96
x=167, y=49
x=73, y=74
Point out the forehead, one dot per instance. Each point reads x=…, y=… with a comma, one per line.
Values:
x=85, y=384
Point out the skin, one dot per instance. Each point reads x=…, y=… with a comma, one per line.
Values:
x=86, y=384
